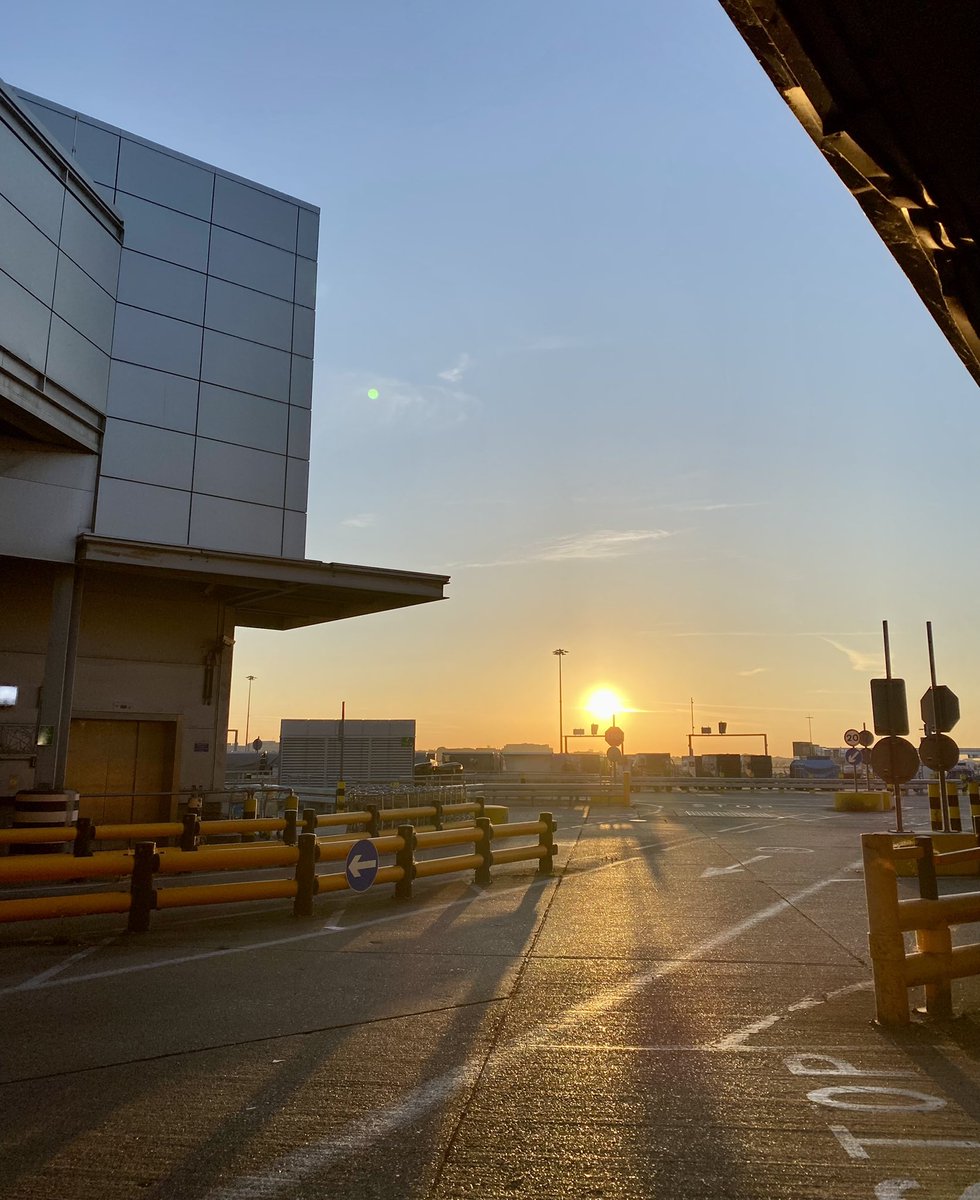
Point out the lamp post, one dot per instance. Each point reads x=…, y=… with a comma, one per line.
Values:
x=248, y=706
x=561, y=724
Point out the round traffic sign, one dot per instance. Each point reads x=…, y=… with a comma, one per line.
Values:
x=939, y=752
x=257, y=744
x=362, y=865
x=866, y=737
x=894, y=760
x=853, y=756
x=852, y=737
x=614, y=754
x=614, y=735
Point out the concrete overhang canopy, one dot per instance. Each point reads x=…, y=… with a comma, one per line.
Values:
x=267, y=593
x=888, y=91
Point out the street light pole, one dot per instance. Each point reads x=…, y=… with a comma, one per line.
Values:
x=248, y=706
x=561, y=724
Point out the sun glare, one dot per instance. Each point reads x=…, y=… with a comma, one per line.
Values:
x=604, y=704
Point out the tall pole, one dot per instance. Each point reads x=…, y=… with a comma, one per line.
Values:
x=248, y=706
x=809, y=725
x=561, y=723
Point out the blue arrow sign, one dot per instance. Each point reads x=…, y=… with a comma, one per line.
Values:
x=362, y=865
x=854, y=756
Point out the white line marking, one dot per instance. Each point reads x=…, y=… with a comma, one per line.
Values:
x=293, y=1168
x=38, y=981
x=734, y=1041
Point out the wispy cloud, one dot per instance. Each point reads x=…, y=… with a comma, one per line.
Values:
x=694, y=506
x=456, y=372
x=361, y=520
x=860, y=660
x=601, y=543
x=754, y=671
x=397, y=401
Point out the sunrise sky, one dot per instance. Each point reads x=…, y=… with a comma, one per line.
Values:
x=648, y=385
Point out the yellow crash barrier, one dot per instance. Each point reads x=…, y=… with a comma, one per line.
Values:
x=42, y=908
x=935, y=961
x=145, y=863
x=58, y=868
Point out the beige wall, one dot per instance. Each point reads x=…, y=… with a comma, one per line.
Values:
x=144, y=649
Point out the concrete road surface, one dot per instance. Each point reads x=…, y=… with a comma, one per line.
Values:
x=682, y=1010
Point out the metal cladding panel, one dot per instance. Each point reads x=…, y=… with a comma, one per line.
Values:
x=146, y=454
x=153, y=397
x=172, y=236
x=150, y=340
x=26, y=255
x=164, y=179
x=29, y=185
x=373, y=751
x=219, y=524
x=259, y=423
x=141, y=512
x=253, y=264
x=207, y=338
x=161, y=287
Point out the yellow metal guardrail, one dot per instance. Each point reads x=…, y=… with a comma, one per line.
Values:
x=935, y=962
x=145, y=864
x=192, y=828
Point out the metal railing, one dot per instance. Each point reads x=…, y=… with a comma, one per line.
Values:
x=145, y=865
x=935, y=962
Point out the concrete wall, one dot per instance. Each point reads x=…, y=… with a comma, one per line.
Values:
x=144, y=651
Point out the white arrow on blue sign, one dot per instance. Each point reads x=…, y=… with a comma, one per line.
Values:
x=362, y=865
x=854, y=756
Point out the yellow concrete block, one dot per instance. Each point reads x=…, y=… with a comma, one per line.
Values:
x=941, y=842
x=862, y=801
x=498, y=813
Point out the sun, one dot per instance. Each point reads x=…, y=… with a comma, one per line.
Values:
x=604, y=703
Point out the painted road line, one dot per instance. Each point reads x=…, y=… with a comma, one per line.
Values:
x=284, y=1173
x=736, y=1040
x=38, y=981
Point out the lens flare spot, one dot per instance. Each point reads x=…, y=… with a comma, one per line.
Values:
x=373, y=393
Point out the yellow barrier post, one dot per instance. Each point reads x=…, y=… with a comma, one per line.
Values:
x=341, y=805
x=306, y=883
x=483, y=849
x=885, y=940
x=143, y=897
x=405, y=858
x=935, y=806
x=546, y=840
x=939, y=994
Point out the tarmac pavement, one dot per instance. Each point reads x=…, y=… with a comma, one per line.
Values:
x=682, y=1010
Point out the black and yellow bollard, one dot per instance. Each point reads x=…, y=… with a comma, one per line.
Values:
x=935, y=806
x=975, y=804
x=341, y=805
x=955, y=812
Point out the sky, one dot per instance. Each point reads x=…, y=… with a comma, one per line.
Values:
x=650, y=388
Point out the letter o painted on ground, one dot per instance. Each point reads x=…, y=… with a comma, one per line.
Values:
x=920, y=1101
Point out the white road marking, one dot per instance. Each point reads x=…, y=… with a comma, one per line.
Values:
x=38, y=981
x=855, y=1145
x=284, y=1173
x=735, y=1041
x=710, y=872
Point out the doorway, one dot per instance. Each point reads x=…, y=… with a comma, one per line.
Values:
x=123, y=770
